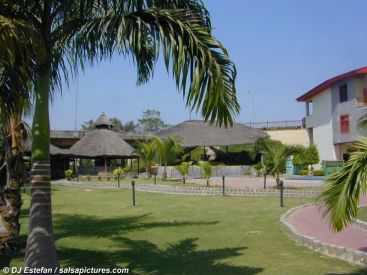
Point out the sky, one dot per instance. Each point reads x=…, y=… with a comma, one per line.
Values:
x=281, y=50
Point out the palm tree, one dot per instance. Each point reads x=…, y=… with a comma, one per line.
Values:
x=71, y=34
x=341, y=195
x=206, y=170
x=15, y=70
x=183, y=169
x=167, y=151
x=274, y=156
x=146, y=151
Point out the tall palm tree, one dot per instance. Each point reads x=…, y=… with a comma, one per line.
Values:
x=167, y=151
x=15, y=71
x=74, y=33
x=343, y=189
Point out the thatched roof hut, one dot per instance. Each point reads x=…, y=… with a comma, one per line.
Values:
x=195, y=133
x=56, y=151
x=101, y=143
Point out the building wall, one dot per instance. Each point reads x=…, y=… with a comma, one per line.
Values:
x=290, y=136
x=322, y=125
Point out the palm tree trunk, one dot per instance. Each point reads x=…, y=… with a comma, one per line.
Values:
x=41, y=250
x=165, y=172
x=207, y=182
x=11, y=199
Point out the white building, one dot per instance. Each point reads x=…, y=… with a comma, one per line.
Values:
x=333, y=109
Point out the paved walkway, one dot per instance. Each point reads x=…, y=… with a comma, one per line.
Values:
x=308, y=221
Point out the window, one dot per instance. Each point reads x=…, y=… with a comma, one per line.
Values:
x=344, y=124
x=343, y=93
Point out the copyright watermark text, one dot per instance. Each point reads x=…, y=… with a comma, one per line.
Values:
x=64, y=270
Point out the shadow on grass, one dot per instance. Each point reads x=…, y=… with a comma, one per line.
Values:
x=144, y=257
x=92, y=226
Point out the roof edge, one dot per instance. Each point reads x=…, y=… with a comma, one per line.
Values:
x=330, y=82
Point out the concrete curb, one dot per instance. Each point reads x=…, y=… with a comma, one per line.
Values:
x=341, y=252
x=213, y=191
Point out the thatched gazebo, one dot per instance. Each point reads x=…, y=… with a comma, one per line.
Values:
x=102, y=143
x=195, y=133
x=198, y=133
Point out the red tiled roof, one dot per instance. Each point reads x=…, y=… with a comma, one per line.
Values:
x=332, y=81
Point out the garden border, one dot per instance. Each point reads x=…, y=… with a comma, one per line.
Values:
x=213, y=191
x=341, y=252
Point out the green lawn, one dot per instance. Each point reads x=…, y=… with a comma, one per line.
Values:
x=362, y=214
x=178, y=234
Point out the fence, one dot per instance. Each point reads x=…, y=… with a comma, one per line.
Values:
x=195, y=172
x=277, y=124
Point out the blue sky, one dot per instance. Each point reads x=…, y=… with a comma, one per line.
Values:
x=281, y=49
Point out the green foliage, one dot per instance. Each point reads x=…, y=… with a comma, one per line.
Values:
x=303, y=172
x=274, y=155
x=146, y=152
x=151, y=121
x=206, y=170
x=196, y=154
x=183, y=169
x=343, y=189
x=318, y=173
x=168, y=149
x=306, y=156
x=118, y=172
x=259, y=167
x=68, y=173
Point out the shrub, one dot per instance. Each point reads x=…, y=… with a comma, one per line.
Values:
x=303, y=172
x=68, y=173
x=318, y=173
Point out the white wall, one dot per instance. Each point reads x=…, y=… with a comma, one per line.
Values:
x=321, y=122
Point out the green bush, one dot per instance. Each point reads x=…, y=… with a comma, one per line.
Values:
x=68, y=173
x=318, y=173
x=303, y=172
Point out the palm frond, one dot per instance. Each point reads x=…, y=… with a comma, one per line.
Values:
x=341, y=196
x=190, y=52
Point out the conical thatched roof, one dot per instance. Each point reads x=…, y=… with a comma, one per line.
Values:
x=103, y=122
x=199, y=133
x=101, y=143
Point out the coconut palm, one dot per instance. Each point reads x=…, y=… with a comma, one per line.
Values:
x=146, y=151
x=15, y=72
x=167, y=151
x=71, y=34
x=183, y=169
x=274, y=155
x=206, y=170
x=343, y=189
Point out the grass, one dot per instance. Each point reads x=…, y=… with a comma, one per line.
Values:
x=176, y=234
x=362, y=213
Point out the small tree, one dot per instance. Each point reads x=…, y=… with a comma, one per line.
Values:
x=206, y=170
x=118, y=172
x=183, y=168
x=146, y=151
x=167, y=150
x=306, y=156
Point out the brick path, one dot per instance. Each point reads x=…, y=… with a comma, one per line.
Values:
x=308, y=221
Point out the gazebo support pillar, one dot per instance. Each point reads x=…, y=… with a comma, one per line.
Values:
x=105, y=165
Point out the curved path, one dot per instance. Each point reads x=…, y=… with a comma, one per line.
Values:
x=308, y=221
